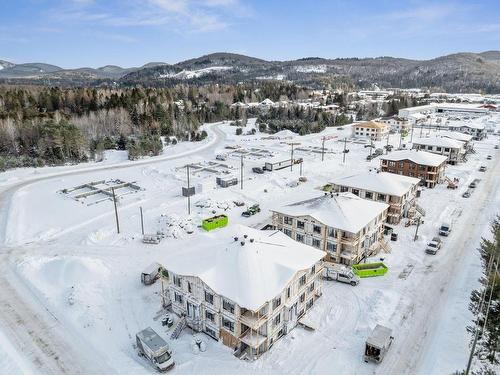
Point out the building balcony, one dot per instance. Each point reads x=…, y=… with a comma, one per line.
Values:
x=252, y=338
x=252, y=319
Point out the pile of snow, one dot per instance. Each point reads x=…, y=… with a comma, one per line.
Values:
x=115, y=156
x=214, y=205
x=175, y=226
x=285, y=134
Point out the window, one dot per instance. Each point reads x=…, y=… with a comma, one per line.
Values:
x=447, y=149
x=316, y=243
x=438, y=148
x=344, y=189
x=177, y=281
x=302, y=297
x=316, y=229
x=288, y=292
x=369, y=195
x=302, y=280
x=228, y=324
x=276, y=302
x=210, y=332
x=392, y=164
x=313, y=270
x=311, y=287
x=178, y=297
x=300, y=224
x=209, y=297
x=288, y=220
x=331, y=247
x=228, y=306
x=277, y=320
x=288, y=232
x=355, y=192
x=309, y=304
x=189, y=287
x=300, y=238
x=381, y=197
x=332, y=232
x=209, y=315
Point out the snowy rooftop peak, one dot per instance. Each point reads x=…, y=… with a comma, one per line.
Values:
x=416, y=156
x=247, y=266
x=344, y=211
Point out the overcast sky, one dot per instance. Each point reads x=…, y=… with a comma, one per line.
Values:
x=76, y=33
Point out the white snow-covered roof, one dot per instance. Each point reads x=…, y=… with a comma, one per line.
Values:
x=250, y=274
x=380, y=182
x=344, y=211
x=418, y=157
x=438, y=142
x=456, y=135
x=468, y=125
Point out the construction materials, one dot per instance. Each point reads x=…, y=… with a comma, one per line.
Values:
x=370, y=269
x=215, y=222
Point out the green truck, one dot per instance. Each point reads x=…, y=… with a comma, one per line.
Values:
x=370, y=269
x=215, y=222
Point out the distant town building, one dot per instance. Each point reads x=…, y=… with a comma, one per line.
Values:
x=426, y=166
x=454, y=150
x=396, y=123
x=375, y=131
x=399, y=192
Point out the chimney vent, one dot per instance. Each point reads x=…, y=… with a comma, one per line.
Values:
x=245, y=235
x=242, y=243
x=251, y=239
x=235, y=239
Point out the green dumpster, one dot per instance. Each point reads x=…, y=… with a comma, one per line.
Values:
x=215, y=222
x=370, y=269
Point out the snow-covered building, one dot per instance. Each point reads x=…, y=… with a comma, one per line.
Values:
x=396, y=123
x=408, y=113
x=245, y=287
x=458, y=136
x=478, y=131
x=370, y=129
x=399, y=192
x=347, y=227
x=454, y=150
x=426, y=166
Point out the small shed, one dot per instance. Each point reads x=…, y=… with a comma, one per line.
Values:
x=151, y=273
x=226, y=181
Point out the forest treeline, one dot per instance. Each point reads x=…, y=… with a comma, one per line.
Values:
x=50, y=125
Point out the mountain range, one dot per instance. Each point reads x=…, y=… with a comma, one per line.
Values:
x=479, y=72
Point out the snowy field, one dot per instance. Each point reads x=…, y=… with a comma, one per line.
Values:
x=68, y=267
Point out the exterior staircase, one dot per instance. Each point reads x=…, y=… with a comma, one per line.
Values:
x=179, y=326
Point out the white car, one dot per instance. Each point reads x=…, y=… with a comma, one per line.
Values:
x=433, y=246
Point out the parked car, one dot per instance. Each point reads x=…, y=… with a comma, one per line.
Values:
x=466, y=194
x=433, y=246
x=258, y=170
x=473, y=184
x=496, y=147
x=221, y=157
x=489, y=157
x=445, y=229
x=370, y=157
x=340, y=274
x=482, y=168
x=151, y=346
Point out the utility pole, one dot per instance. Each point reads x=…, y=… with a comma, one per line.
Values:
x=188, y=192
x=412, y=127
x=142, y=221
x=302, y=162
x=291, y=158
x=116, y=211
x=416, y=230
x=387, y=145
x=345, y=150
x=400, y=138
x=241, y=174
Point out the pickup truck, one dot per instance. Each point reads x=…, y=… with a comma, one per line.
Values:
x=343, y=275
x=433, y=246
